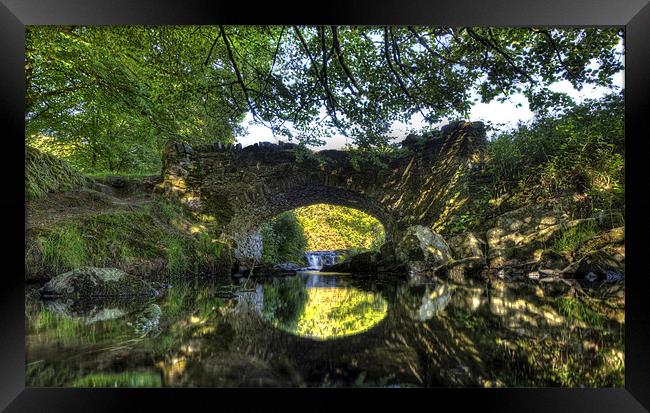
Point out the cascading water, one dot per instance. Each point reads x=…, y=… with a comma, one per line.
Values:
x=317, y=259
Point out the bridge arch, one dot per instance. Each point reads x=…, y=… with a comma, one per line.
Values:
x=424, y=183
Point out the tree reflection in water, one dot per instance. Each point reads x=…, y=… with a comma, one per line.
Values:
x=321, y=312
x=337, y=331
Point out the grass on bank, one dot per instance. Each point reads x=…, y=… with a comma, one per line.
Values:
x=45, y=173
x=155, y=238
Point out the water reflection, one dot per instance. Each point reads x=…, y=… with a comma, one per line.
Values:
x=332, y=330
x=321, y=307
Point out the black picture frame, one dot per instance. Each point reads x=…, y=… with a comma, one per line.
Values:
x=633, y=14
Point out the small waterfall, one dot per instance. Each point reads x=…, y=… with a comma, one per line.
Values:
x=316, y=259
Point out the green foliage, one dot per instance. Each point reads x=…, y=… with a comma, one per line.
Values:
x=283, y=239
x=124, y=379
x=575, y=309
x=45, y=173
x=106, y=98
x=321, y=313
x=63, y=248
x=123, y=238
x=337, y=312
x=332, y=227
x=285, y=300
x=581, y=152
x=463, y=223
x=571, y=238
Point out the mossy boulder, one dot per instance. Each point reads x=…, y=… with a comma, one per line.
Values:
x=387, y=251
x=519, y=236
x=422, y=250
x=466, y=245
x=88, y=282
x=364, y=262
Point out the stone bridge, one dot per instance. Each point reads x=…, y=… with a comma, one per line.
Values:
x=424, y=182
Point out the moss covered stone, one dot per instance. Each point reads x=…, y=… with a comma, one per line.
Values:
x=421, y=249
x=97, y=282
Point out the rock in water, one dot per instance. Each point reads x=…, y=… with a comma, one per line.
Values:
x=286, y=268
x=364, y=262
x=97, y=282
x=421, y=249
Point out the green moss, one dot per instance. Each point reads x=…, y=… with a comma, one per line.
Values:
x=45, y=173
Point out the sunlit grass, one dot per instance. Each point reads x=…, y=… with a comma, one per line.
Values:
x=63, y=248
x=571, y=238
x=126, y=379
x=45, y=173
x=124, y=237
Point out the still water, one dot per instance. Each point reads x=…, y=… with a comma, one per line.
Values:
x=329, y=330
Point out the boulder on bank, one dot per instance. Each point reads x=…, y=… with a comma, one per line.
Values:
x=421, y=249
x=466, y=245
x=286, y=268
x=88, y=282
x=387, y=252
x=519, y=235
x=364, y=262
x=552, y=261
x=271, y=270
x=459, y=270
x=601, y=257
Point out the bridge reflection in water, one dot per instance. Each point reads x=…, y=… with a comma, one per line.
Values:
x=329, y=330
x=321, y=307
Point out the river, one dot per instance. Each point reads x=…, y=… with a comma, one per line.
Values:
x=330, y=330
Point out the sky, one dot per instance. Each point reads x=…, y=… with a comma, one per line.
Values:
x=507, y=113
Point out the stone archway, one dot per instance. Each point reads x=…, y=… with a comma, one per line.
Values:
x=423, y=183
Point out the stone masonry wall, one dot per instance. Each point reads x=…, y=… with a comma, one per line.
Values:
x=425, y=183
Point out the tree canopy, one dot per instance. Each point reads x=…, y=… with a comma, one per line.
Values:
x=107, y=98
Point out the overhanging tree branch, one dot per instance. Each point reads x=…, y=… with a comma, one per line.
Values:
x=492, y=45
x=426, y=46
x=330, y=96
x=207, y=59
x=398, y=78
x=240, y=80
x=557, y=51
x=339, y=57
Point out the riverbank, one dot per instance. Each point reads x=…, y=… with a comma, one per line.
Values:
x=77, y=221
x=73, y=220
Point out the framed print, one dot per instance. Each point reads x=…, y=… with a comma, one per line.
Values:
x=362, y=202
